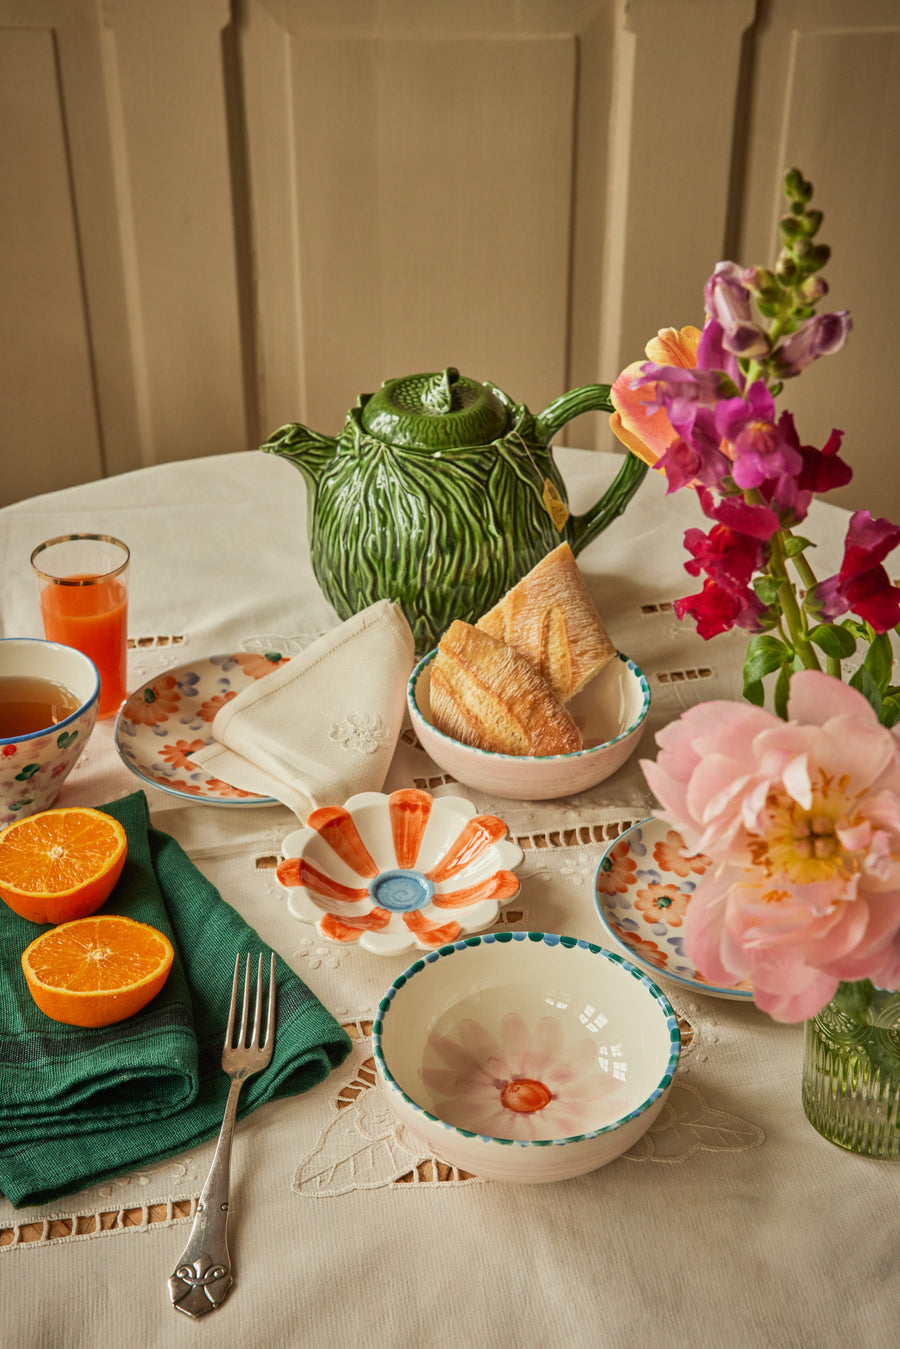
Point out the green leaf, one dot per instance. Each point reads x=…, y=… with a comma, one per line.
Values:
x=890, y=711
x=834, y=641
x=782, y=689
x=860, y=631
x=879, y=660
x=866, y=685
x=767, y=588
x=764, y=654
x=755, y=693
x=795, y=544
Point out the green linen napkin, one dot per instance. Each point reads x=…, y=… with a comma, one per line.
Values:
x=78, y=1106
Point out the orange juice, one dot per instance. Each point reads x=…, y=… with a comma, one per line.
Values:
x=92, y=617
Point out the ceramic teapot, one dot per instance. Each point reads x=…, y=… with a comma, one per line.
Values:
x=441, y=493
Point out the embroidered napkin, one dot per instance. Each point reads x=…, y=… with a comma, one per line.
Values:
x=324, y=725
x=78, y=1106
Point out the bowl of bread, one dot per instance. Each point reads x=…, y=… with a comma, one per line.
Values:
x=533, y=701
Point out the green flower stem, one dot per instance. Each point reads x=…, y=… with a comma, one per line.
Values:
x=793, y=615
x=810, y=581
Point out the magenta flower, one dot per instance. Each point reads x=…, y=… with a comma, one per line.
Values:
x=696, y=458
x=745, y=517
x=862, y=585
x=716, y=609
x=729, y=558
x=726, y=297
x=821, y=335
x=762, y=451
x=802, y=822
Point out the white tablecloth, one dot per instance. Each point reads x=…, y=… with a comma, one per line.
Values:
x=731, y=1224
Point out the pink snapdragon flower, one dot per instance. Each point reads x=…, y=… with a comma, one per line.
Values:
x=862, y=584
x=802, y=822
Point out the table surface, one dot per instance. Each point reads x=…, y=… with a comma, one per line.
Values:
x=732, y=1223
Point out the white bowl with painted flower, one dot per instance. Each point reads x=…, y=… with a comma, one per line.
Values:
x=35, y=764
x=611, y=712
x=526, y=1056
x=394, y=872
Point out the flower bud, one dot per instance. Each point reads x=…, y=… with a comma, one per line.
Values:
x=786, y=269
x=814, y=289
x=745, y=339
x=820, y=336
x=795, y=186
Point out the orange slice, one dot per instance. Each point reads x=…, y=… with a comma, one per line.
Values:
x=60, y=864
x=97, y=970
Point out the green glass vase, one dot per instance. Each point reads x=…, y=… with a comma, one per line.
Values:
x=851, y=1070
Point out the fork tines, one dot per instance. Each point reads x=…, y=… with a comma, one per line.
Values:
x=247, y=1039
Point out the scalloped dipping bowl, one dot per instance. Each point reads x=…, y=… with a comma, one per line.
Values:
x=392, y=872
x=610, y=712
x=526, y=1056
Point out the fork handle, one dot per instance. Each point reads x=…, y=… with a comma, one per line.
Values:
x=202, y=1277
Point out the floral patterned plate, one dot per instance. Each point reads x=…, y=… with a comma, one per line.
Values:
x=400, y=871
x=642, y=890
x=170, y=717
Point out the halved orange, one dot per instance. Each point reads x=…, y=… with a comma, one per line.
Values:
x=60, y=865
x=96, y=971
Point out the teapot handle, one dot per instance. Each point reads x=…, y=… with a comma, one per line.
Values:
x=582, y=529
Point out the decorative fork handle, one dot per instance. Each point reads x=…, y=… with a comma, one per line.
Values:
x=202, y=1276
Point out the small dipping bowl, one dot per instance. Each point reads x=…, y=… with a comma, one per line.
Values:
x=610, y=712
x=525, y=1056
x=34, y=765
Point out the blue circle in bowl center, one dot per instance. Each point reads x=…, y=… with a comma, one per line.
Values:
x=401, y=891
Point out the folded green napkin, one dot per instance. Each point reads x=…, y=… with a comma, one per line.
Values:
x=78, y=1106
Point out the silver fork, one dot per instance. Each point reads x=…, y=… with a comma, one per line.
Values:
x=202, y=1276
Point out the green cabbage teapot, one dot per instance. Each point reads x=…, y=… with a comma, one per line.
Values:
x=441, y=493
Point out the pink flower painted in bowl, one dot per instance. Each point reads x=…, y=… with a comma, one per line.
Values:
x=524, y=1084
x=390, y=873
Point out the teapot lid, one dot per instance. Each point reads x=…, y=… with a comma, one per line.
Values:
x=435, y=411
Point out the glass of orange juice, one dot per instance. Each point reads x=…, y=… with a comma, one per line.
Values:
x=83, y=583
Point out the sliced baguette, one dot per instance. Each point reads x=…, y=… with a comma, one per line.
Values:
x=490, y=697
x=550, y=618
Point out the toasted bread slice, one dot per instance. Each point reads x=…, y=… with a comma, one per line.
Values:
x=488, y=696
x=550, y=618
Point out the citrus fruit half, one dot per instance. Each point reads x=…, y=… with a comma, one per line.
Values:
x=95, y=971
x=60, y=864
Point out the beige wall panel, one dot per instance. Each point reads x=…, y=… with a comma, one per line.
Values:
x=45, y=359
x=422, y=213
x=677, y=70
x=166, y=85
x=827, y=98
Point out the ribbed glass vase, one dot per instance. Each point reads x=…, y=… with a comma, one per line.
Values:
x=851, y=1070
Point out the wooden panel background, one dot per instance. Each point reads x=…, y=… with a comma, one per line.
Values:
x=219, y=215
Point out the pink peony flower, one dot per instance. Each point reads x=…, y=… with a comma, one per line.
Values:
x=802, y=822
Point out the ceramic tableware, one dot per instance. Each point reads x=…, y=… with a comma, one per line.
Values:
x=642, y=889
x=170, y=717
x=35, y=764
x=394, y=872
x=526, y=1056
x=441, y=493
x=610, y=712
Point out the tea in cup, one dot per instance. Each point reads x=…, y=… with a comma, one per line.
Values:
x=49, y=697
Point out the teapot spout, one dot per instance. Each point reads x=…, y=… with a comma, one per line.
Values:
x=307, y=450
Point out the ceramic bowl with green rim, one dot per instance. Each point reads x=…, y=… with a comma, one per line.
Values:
x=611, y=712
x=526, y=1056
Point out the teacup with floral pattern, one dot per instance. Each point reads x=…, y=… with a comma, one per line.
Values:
x=34, y=766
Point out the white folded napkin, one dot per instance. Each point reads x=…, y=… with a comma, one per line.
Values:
x=325, y=725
